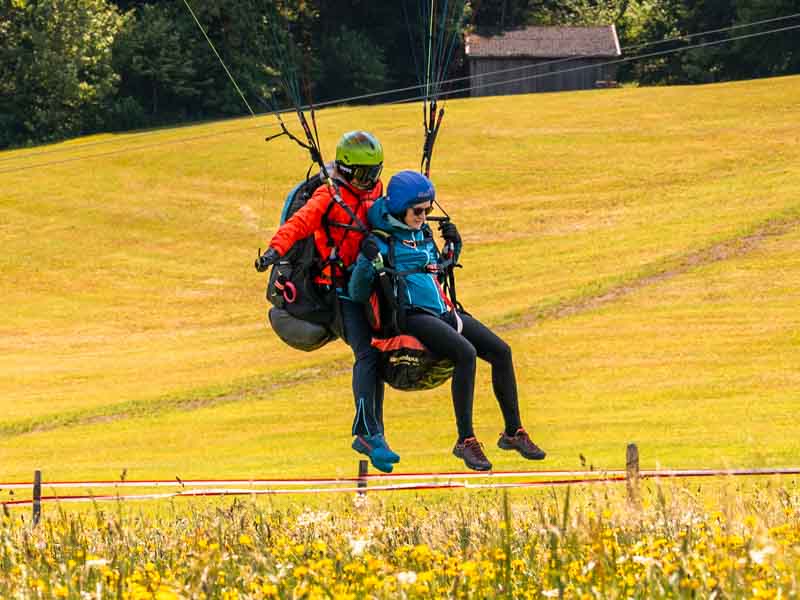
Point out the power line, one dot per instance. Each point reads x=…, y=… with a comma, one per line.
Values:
x=678, y=38
x=222, y=62
x=338, y=101
x=367, y=96
x=416, y=98
x=603, y=64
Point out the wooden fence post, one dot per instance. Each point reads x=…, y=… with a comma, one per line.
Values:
x=363, y=467
x=632, y=473
x=37, y=497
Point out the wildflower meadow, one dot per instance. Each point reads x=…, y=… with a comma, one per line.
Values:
x=724, y=539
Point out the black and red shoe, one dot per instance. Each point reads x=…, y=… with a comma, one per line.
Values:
x=522, y=443
x=471, y=451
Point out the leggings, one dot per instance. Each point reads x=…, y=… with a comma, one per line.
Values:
x=440, y=336
x=367, y=384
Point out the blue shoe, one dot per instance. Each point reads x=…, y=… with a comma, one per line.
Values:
x=375, y=446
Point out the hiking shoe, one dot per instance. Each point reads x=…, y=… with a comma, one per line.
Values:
x=380, y=455
x=471, y=451
x=522, y=443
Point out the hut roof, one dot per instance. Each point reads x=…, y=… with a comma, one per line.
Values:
x=546, y=42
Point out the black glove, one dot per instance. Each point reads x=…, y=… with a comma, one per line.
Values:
x=369, y=249
x=266, y=260
x=449, y=232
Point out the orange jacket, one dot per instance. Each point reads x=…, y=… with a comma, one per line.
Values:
x=309, y=220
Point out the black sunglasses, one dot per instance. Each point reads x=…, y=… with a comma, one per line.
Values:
x=418, y=210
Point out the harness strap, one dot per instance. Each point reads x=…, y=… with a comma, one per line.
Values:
x=389, y=281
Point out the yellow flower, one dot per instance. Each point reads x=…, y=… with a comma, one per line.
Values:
x=245, y=540
x=164, y=593
x=421, y=552
x=300, y=571
x=371, y=582
x=269, y=590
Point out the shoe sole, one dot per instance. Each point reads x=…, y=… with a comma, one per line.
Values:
x=528, y=456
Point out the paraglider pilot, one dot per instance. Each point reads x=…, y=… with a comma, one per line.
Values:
x=359, y=161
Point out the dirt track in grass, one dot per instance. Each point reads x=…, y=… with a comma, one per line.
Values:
x=670, y=269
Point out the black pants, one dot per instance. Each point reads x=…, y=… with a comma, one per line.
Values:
x=440, y=336
x=367, y=385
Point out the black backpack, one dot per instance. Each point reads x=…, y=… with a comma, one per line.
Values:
x=304, y=315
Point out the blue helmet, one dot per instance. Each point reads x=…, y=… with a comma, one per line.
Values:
x=406, y=189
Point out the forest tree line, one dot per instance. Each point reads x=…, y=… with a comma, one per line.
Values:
x=72, y=67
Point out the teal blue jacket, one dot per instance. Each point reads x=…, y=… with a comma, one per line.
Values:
x=414, y=253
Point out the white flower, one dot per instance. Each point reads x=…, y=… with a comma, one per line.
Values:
x=644, y=560
x=96, y=562
x=310, y=517
x=406, y=577
x=588, y=568
x=550, y=593
x=357, y=546
x=758, y=556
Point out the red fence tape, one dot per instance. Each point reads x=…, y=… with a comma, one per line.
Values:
x=453, y=480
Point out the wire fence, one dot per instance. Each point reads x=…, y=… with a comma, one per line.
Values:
x=396, y=482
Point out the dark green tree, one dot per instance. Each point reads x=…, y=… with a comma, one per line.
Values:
x=352, y=64
x=57, y=66
x=494, y=16
x=768, y=55
x=157, y=67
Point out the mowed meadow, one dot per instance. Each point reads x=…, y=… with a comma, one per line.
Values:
x=638, y=248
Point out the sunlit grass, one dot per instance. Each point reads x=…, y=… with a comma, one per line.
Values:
x=133, y=333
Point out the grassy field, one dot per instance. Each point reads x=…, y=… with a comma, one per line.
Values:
x=637, y=248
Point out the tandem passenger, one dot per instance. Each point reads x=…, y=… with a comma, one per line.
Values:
x=433, y=320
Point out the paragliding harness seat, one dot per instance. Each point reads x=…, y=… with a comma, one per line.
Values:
x=305, y=314
x=406, y=364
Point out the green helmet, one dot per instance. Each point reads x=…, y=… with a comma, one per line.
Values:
x=359, y=159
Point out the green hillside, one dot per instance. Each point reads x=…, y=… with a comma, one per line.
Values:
x=637, y=247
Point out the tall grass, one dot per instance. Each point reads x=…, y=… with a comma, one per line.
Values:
x=716, y=542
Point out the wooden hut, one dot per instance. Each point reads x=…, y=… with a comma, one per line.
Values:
x=542, y=59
